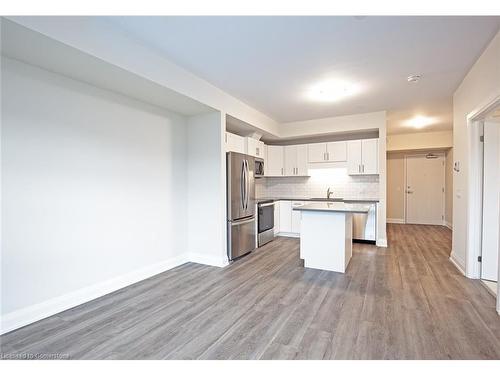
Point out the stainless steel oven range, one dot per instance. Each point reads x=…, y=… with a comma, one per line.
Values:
x=265, y=222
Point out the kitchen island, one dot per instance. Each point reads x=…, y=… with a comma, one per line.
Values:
x=326, y=234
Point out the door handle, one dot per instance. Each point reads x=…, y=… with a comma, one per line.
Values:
x=363, y=168
x=247, y=194
x=359, y=168
x=282, y=171
x=242, y=185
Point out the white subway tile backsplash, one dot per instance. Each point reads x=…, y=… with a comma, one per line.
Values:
x=342, y=185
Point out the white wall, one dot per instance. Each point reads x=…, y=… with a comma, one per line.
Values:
x=480, y=85
x=329, y=125
x=448, y=215
x=206, y=189
x=396, y=190
x=94, y=36
x=93, y=192
x=420, y=141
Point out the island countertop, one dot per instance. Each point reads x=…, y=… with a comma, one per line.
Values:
x=335, y=207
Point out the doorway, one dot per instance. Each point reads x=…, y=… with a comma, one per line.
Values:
x=488, y=113
x=425, y=189
x=491, y=200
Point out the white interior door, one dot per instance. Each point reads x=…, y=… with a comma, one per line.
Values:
x=491, y=202
x=424, y=190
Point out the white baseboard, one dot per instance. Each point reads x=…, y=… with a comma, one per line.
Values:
x=448, y=225
x=288, y=234
x=30, y=314
x=395, y=221
x=207, y=260
x=457, y=263
x=382, y=242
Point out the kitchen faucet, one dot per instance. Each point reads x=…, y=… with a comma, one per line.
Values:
x=328, y=193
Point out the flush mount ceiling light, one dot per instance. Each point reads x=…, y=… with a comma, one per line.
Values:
x=414, y=78
x=332, y=90
x=419, y=122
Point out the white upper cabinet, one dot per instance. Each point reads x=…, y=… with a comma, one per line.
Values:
x=290, y=160
x=254, y=147
x=327, y=152
x=316, y=152
x=369, y=156
x=302, y=169
x=336, y=151
x=295, y=158
x=235, y=143
x=275, y=161
x=354, y=157
x=362, y=157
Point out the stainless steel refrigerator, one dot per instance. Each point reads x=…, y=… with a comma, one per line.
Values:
x=240, y=204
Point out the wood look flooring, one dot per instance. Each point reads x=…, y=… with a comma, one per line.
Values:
x=403, y=302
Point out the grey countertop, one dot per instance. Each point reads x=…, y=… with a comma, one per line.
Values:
x=335, y=207
x=346, y=200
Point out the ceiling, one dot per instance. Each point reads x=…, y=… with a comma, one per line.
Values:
x=23, y=44
x=271, y=62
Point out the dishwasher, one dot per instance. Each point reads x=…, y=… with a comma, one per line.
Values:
x=364, y=226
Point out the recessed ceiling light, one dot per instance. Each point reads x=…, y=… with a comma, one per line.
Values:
x=419, y=122
x=332, y=90
x=414, y=78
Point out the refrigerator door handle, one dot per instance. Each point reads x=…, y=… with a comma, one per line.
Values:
x=247, y=192
x=242, y=185
x=245, y=221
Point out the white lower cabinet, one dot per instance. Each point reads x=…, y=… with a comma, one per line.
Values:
x=289, y=220
x=285, y=216
x=296, y=215
x=276, y=217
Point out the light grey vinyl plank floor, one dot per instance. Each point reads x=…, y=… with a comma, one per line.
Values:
x=406, y=301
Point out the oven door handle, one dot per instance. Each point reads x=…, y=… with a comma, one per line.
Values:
x=266, y=204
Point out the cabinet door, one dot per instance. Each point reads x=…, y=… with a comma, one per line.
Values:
x=290, y=161
x=259, y=149
x=251, y=145
x=275, y=161
x=337, y=151
x=369, y=156
x=276, y=217
x=301, y=165
x=316, y=152
x=354, y=157
x=285, y=216
x=296, y=216
x=235, y=143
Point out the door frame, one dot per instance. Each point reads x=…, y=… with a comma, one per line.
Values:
x=443, y=203
x=475, y=121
